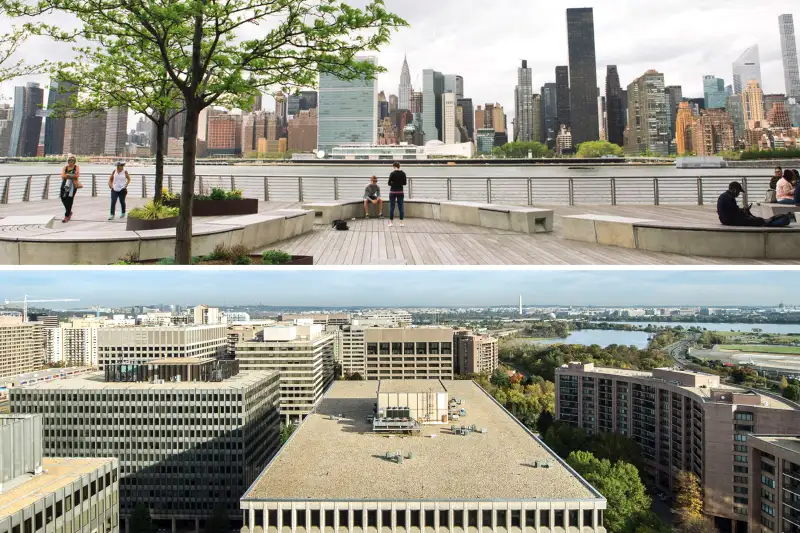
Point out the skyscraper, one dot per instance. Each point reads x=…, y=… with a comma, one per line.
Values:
x=674, y=99
x=733, y=106
x=683, y=128
x=791, y=71
x=116, y=131
x=26, y=126
x=536, y=120
x=348, y=111
x=562, y=97
x=746, y=68
x=714, y=92
x=404, y=90
x=615, y=128
x=449, y=131
x=549, y=109
x=582, y=75
x=432, y=89
x=468, y=116
x=6, y=121
x=85, y=135
x=59, y=94
x=393, y=103
x=713, y=133
x=523, y=108
x=752, y=103
x=648, y=115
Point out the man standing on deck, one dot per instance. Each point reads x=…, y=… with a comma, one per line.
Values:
x=397, y=180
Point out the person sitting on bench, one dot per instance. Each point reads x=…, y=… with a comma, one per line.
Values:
x=785, y=188
x=730, y=214
x=372, y=195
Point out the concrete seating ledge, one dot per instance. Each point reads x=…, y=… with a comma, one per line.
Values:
x=504, y=217
x=770, y=210
x=48, y=247
x=708, y=240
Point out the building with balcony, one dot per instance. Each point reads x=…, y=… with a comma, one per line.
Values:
x=409, y=353
x=775, y=483
x=41, y=494
x=190, y=434
x=498, y=478
x=712, y=133
x=475, y=354
x=683, y=421
x=22, y=346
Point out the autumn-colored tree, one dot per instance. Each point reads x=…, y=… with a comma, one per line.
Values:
x=784, y=382
x=689, y=498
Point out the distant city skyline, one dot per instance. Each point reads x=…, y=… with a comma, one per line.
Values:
x=398, y=288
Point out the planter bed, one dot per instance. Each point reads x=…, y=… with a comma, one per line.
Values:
x=139, y=224
x=219, y=208
x=256, y=258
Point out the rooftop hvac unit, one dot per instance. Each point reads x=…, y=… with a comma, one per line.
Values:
x=484, y=430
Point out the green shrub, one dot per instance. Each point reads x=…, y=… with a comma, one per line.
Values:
x=151, y=211
x=275, y=257
x=243, y=260
x=217, y=194
x=168, y=196
x=220, y=253
x=239, y=250
x=235, y=194
x=171, y=261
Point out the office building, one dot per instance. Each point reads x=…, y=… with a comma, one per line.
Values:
x=683, y=129
x=778, y=116
x=348, y=111
x=615, y=127
x=549, y=114
x=582, y=75
x=746, y=69
x=791, y=71
x=116, y=131
x=683, y=421
x=85, y=135
x=485, y=140
x=144, y=343
x=490, y=495
x=6, y=125
x=467, y=117
x=409, y=353
x=712, y=133
x=39, y=493
x=734, y=108
x=771, y=99
x=562, y=97
x=564, y=141
x=523, y=108
x=21, y=346
x=205, y=315
x=383, y=107
x=191, y=434
x=303, y=354
x=775, y=476
x=57, y=97
x=475, y=354
x=392, y=317
x=303, y=132
x=393, y=103
x=432, y=90
x=602, y=118
x=224, y=134
x=536, y=130
x=752, y=104
x=714, y=92
x=242, y=333
x=450, y=134
x=308, y=100
x=76, y=342
x=674, y=99
x=26, y=125
x=323, y=319
x=648, y=116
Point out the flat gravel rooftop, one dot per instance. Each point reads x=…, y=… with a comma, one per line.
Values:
x=96, y=381
x=343, y=460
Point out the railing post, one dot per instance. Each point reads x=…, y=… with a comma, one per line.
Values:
x=613, y=191
x=26, y=197
x=144, y=186
x=300, y=187
x=233, y=184
x=530, y=191
x=266, y=189
x=488, y=190
x=169, y=183
x=744, y=194
x=200, y=185
x=410, y=193
x=655, y=191
x=699, y=190
x=94, y=185
x=335, y=188
x=571, y=191
x=449, y=189
x=6, y=187
x=46, y=191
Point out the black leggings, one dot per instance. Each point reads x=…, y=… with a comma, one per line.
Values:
x=121, y=195
x=68, y=201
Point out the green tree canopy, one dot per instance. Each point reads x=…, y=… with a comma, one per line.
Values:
x=594, y=149
x=792, y=392
x=286, y=432
x=520, y=150
x=140, y=521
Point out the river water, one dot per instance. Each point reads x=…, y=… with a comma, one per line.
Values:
x=544, y=171
x=601, y=337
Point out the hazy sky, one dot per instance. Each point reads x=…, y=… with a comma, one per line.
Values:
x=406, y=287
x=485, y=41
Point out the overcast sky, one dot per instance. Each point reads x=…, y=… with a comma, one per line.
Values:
x=406, y=287
x=485, y=41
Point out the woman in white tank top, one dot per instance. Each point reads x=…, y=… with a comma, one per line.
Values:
x=118, y=183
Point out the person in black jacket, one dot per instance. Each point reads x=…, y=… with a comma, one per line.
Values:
x=773, y=183
x=730, y=214
x=397, y=180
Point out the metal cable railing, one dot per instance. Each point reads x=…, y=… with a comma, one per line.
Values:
x=574, y=191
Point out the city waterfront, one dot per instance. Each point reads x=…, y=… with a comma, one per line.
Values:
x=783, y=329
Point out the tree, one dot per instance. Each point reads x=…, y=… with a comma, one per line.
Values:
x=594, y=149
x=286, y=432
x=792, y=392
x=218, y=522
x=615, y=447
x=697, y=525
x=521, y=150
x=620, y=484
x=140, y=521
x=9, y=46
x=740, y=374
x=355, y=376
x=234, y=49
x=564, y=438
x=689, y=497
x=784, y=383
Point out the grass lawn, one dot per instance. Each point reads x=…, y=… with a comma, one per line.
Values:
x=760, y=348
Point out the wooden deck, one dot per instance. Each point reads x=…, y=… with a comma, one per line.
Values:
x=428, y=242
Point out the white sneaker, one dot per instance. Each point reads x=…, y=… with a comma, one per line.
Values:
x=402, y=224
x=390, y=224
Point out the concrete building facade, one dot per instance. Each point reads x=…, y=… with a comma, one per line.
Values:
x=22, y=346
x=791, y=70
x=450, y=133
x=475, y=354
x=409, y=353
x=648, y=116
x=683, y=421
x=523, y=109
x=774, y=483
x=712, y=133
x=143, y=343
x=752, y=104
x=116, y=131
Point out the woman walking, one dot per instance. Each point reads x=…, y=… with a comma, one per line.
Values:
x=70, y=183
x=118, y=183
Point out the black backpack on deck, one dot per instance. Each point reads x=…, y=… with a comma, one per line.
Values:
x=340, y=225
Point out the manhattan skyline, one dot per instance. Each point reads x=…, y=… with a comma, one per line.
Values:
x=398, y=288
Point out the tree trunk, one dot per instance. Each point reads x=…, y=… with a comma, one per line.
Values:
x=160, y=127
x=183, y=233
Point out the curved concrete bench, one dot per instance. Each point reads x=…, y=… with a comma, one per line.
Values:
x=511, y=218
x=770, y=210
x=40, y=245
x=709, y=240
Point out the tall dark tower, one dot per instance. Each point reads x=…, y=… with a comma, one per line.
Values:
x=60, y=93
x=582, y=75
x=562, y=97
x=616, y=124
